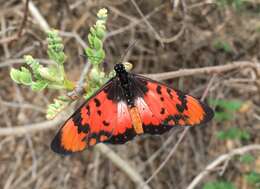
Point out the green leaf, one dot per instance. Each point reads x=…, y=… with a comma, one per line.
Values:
x=247, y=159
x=219, y=185
x=55, y=47
x=39, y=85
x=57, y=106
x=15, y=75
x=97, y=44
x=100, y=32
x=89, y=52
x=91, y=40
x=34, y=64
x=253, y=178
x=232, y=134
x=92, y=31
x=236, y=4
x=225, y=108
x=95, y=52
x=100, y=55
x=222, y=45
x=52, y=74
x=58, y=57
x=232, y=105
x=22, y=77
x=25, y=76
x=223, y=116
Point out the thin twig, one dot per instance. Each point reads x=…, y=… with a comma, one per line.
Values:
x=204, y=70
x=23, y=24
x=76, y=36
x=221, y=159
x=135, y=23
x=10, y=62
x=146, y=21
x=125, y=167
x=21, y=130
x=183, y=134
x=38, y=17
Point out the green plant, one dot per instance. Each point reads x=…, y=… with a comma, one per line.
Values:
x=41, y=77
x=247, y=159
x=253, y=178
x=219, y=185
x=222, y=45
x=54, y=76
x=232, y=134
x=225, y=109
x=236, y=4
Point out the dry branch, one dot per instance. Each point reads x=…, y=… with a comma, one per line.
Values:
x=205, y=70
x=160, y=76
x=38, y=16
x=30, y=128
x=125, y=167
x=222, y=159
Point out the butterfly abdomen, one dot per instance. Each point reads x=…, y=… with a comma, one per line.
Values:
x=128, y=93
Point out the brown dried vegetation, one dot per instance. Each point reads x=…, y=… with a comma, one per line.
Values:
x=171, y=35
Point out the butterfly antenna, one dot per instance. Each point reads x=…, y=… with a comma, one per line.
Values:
x=131, y=46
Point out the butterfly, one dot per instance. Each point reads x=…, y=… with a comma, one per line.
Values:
x=126, y=106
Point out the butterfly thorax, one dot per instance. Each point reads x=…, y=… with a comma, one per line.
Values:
x=123, y=77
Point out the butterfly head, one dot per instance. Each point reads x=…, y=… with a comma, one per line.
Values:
x=119, y=69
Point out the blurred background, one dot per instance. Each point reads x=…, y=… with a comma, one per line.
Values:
x=217, y=41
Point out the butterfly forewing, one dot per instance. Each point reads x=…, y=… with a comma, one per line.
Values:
x=103, y=118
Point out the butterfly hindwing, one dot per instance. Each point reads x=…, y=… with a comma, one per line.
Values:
x=161, y=108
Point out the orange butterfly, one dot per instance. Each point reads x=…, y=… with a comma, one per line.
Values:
x=126, y=106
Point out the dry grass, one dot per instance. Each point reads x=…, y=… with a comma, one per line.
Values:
x=171, y=35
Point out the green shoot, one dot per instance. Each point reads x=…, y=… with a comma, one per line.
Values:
x=253, y=178
x=233, y=134
x=219, y=185
x=225, y=109
x=53, y=76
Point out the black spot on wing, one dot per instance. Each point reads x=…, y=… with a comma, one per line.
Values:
x=175, y=119
x=162, y=111
x=159, y=89
x=180, y=108
x=105, y=123
x=169, y=93
x=88, y=110
x=97, y=102
x=129, y=134
x=77, y=119
x=182, y=98
x=97, y=136
x=156, y=129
